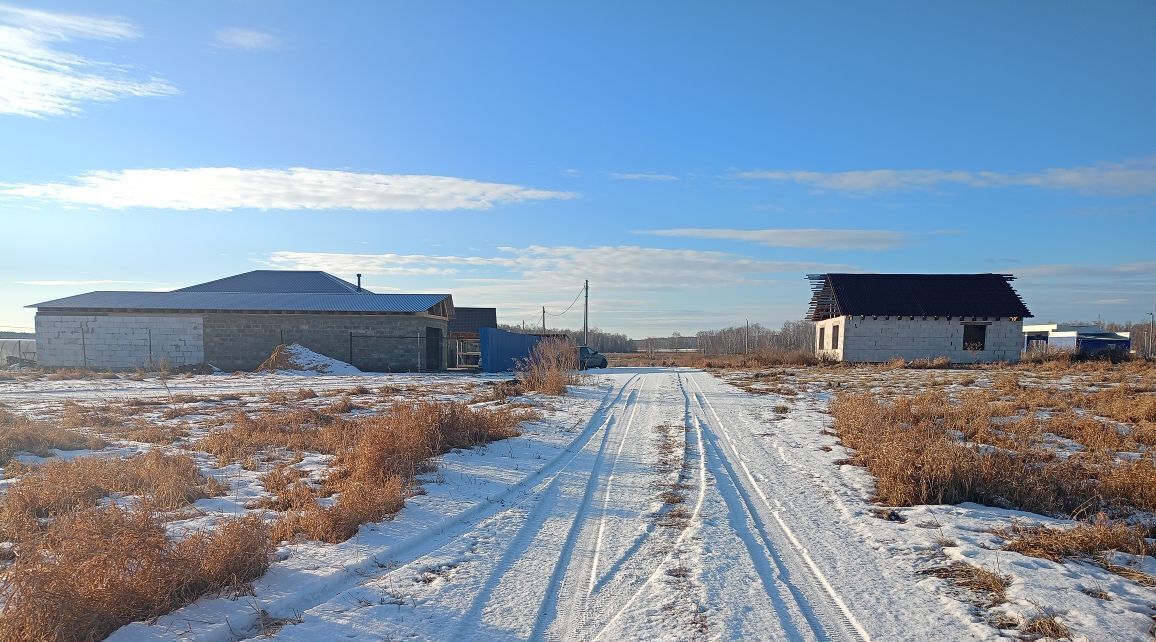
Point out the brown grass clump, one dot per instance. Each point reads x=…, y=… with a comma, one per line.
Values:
x=373, y=474
x=300, y=429
x=360, y=502
x=1083, y=541
x=60, y=487
x=76, y=586
x=343, y=405
x=551, y=367
x=18, y=434
x=988, y=585
x=1047, y=626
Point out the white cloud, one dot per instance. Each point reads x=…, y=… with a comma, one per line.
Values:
x=38, y=78
x=828, y=239
x=1131, y=177
x=642, y=176
x=631, y=286
x=617, y=267
x=229, y=188
x=246, y=39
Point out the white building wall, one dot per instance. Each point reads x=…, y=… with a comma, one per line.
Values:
x=828, y=326
x=878, y=339
x=116, y=341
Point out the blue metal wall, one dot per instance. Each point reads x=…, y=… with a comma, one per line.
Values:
x=501, y=350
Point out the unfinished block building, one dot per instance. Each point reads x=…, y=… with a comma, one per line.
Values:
x=234, y=323
x=967, y=318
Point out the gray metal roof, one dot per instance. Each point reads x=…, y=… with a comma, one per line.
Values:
x=271, y=281
x=246, y=301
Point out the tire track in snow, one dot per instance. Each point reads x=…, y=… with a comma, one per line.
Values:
x=545, y=503
x=563, y=584
x=849, y=623
x=693, y=522
x=435, y=537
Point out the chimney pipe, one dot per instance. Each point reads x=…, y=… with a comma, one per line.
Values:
x=359, y=282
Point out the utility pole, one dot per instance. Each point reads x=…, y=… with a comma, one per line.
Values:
x=1151, y=334
x=543, y=319
x=586, y=317
x=747, y=338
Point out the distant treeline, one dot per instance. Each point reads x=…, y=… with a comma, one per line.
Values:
x=599, y=340
x=794, y=335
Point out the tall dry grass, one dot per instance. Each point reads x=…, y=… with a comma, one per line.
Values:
x=61, y=487
x=19, y=434
x=96, y=570
x=372, y=475
x=551, y=366
x=299, y=429
x=929, y=449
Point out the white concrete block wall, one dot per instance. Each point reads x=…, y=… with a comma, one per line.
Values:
x=828, y=326
x=878, y=339
x=116, y=341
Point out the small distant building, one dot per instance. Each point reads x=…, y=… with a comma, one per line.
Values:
x=1085, y=339
x=968, y=318
x=465, y=335
x=234, y=323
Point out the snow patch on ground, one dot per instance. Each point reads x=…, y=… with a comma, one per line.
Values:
x=296, y=359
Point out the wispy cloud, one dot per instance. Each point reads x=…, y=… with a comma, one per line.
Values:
x=39, y=78
x=622, y=266
x=827, y=239
x=229, y=188
x=1130, y=177
x=246, y=39
x=638, y=290
x=642, y=176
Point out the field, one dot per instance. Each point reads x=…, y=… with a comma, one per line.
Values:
x=747, y=499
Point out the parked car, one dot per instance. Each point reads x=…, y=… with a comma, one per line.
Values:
x=590, y=358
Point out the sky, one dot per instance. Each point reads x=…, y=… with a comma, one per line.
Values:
x=694, y=161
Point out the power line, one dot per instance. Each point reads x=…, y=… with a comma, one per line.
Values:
x=578, y=296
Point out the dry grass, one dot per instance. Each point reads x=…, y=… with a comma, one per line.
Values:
x=1046, y=625
x=1094, y=541
x=60, y=487
x=300, y=429
x=551, y=367
x=930, y=449
x=989, y=586
x=19, y=434
x=74, y=586
x=374, y=472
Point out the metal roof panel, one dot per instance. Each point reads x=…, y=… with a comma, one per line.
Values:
x=247, y=301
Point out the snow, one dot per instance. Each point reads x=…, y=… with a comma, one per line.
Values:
x=563, y=532
x=302, y=360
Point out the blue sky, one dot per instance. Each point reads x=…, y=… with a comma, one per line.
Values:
x=693, y=161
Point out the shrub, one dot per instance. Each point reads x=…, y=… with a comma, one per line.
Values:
x=551, y=366
x=74, y=585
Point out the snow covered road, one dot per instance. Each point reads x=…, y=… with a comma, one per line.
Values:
x=685, y=508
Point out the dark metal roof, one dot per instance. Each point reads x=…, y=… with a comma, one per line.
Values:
x=271, y=281
x=944, y=295
x=473, y=319
x=250, y=302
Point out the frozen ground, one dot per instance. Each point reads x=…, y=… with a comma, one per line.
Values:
x=652, y=504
